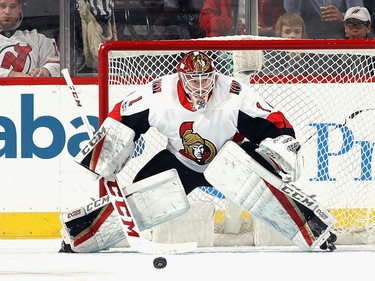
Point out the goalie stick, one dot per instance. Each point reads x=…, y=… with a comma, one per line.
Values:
x=78, y=102
x=120, y=204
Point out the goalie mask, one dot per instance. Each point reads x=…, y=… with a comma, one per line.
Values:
x=197, y=75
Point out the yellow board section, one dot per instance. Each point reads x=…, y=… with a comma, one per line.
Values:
x=26, y=225
x=354, y=219
x=347, y=220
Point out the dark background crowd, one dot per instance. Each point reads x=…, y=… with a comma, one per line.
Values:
x=87, y=22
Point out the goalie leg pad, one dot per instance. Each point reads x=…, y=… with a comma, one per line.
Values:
x=267, y=197
x=256, y=197
x=157, y=199
x=109, y=150
x=152, y=201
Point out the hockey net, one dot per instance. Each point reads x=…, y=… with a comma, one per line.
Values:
x=325, y=88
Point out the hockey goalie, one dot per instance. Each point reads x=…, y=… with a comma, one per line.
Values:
x=219, y=133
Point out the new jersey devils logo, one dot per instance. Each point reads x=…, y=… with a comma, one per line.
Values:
x=16, y=57
x=196, y=148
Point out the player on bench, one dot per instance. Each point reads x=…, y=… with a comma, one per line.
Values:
x=200, y=111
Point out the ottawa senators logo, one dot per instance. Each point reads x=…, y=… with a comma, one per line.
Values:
x=196, y=148
x=201, y=63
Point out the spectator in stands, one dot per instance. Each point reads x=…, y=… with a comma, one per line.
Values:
x=24, y=53
x=291, y=25
x=227, y=17
x=357, y=23
x=268, y=13
x=217, y=17
x=322, y=22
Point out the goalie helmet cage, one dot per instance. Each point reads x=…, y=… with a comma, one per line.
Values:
x=324, y=87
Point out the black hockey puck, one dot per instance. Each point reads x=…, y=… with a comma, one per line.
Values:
x=160, y=262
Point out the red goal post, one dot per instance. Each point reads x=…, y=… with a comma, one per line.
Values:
x=326, y=89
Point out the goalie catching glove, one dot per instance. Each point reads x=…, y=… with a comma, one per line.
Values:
x=282, y=154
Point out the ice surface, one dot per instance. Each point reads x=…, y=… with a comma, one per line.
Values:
x=39, y=260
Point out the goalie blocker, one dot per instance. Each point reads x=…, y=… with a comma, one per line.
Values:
x=109, y=150
x=280, y=205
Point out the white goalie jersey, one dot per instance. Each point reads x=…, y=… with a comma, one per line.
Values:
x=195, y=136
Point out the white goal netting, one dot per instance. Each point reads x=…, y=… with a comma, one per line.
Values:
x=327, y=92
